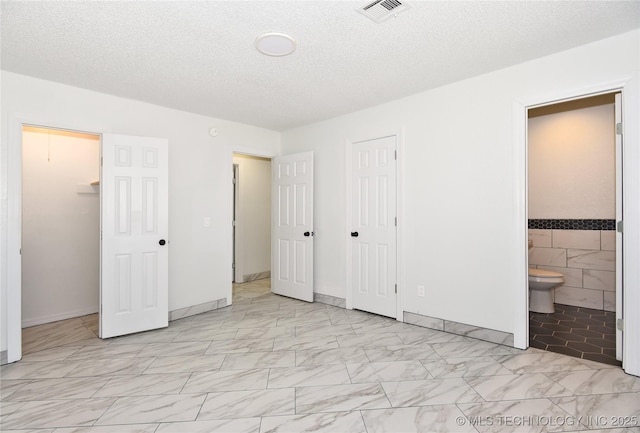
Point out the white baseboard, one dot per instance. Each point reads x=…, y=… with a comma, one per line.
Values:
x=26, y=323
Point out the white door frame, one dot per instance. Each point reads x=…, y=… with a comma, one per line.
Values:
x=14, y=222
x=238, y=272
x=631, y=194
x=400, y=267
x=250, y=151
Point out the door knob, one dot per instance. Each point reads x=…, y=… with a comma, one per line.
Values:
x=354, y=234
x=307, y=234
x=162, y=242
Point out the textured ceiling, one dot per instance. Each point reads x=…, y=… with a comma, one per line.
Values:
x=199, y=56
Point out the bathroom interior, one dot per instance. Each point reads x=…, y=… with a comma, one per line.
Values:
x=572, y=231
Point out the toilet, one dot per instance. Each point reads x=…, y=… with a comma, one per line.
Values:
x=541, y=285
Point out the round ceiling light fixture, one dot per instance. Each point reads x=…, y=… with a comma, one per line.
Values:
x=275, y=44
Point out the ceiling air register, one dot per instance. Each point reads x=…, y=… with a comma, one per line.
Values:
x=381, y=10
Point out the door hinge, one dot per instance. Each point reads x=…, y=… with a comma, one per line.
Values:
x=234, y=181
x=395, y=154
x=234, y=223
x=396, y=288
x=101, y=161
x=396, y=221
x=620, y=324
x=619, y=128
x=620, y=227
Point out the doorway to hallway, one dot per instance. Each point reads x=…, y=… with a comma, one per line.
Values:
x=251, y=218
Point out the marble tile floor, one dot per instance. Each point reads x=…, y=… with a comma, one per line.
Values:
x=274, y=364
x=38, y=338
x=576, y=331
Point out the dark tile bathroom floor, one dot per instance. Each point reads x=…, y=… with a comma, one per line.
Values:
x=576, y=331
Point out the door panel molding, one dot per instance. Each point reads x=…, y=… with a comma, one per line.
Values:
x=134, y=278
x=292, y=226
x=357, y=283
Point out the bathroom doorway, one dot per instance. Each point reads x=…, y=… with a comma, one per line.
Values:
x=251, y=218
x=574, y=203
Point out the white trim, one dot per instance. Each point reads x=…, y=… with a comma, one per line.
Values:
x=400, y=268
x=400, y=233
x=631, y=246
x=520, y=246
x=14, y=223
x=348, y=148
x=631, y=193
x=250, y=151
x=238, y=271
x=570, y=95
x=14, y=240
x=242, y=150
x=619, y=157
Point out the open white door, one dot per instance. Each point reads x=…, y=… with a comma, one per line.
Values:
x=134, y=248
x=292, y=226
x=373, y=225
x=619, y=239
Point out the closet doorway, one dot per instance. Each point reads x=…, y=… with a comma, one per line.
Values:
x=60, y=235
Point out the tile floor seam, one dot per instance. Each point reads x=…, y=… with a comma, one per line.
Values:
x=105, y=411
x=475, y=365
x=385, y=394
x=557, y=383
x=567, y=414
x=484, y=400
x=206, y=396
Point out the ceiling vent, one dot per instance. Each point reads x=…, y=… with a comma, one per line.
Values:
x=381, y=10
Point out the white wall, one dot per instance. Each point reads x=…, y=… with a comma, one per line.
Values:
x=60, y=226
x=199, y=174
x=459, y=170
x=572, y=164
x=254, y=222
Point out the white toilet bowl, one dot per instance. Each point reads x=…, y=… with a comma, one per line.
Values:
x=541, y=285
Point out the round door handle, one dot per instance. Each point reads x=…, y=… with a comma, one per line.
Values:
x=307, y=234
x=354, y=234
x=162, y=242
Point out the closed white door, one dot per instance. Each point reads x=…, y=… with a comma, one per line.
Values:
x=134, y=247
x=292, y=226
x=373, y=226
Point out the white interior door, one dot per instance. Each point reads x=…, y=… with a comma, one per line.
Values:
x=292, y=226
x=134, y=246
x=619, y=236
x=373, y=226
